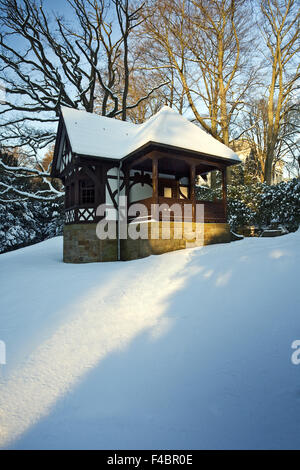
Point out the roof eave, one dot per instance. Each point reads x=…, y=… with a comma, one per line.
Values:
x=151, y=145
x=147, y=147
x=54, y=173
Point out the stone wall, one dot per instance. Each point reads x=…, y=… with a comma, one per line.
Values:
x=81, y=244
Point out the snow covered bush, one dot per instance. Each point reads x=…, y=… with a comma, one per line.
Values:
x=281, y=204
x=26, y=222
x=260, y=204
x=242, y=203
x=23, y=220
x=239, y=214
x=263, y=205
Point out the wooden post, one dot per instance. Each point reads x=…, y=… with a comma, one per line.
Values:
x=76, y=196
x=98, y=186
x=126, y=173
x=192, y=190
x=224, y=190
x=155, y=180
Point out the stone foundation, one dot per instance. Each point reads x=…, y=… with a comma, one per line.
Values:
x=81, y=244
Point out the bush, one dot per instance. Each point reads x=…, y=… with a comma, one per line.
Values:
x=26, y=222
x=239, y=214
x=266, y=205
x=281, y=204
x=260, y=204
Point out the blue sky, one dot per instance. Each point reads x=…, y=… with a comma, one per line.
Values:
x=56, y=5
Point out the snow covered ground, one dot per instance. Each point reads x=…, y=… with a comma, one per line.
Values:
x=187, y=350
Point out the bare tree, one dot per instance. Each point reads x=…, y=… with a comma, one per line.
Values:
x=20, y=179
x=204, y=46
x=47, y=61
x=204, y=42
x=280, y=30
x=255, y=125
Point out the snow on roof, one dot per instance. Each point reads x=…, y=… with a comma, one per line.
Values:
x=99, y=136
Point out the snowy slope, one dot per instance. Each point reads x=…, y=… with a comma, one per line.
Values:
x=190, y=349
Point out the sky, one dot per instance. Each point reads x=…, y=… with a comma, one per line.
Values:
x=62, y=7
x=57, y=6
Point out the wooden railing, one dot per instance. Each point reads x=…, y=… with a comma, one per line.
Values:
x=214, y=212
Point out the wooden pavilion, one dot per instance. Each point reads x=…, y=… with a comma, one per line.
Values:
x=100, y=159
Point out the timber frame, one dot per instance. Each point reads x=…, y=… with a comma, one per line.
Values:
x=90, y=181
x=155, y=180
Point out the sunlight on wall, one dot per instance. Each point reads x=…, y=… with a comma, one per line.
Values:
x=105, y=320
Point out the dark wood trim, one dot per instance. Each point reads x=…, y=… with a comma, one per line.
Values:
x=138, y=160
x=224, y=190
x=69, y=167
x=192, y=189
x=126, y=176
x=143, y=153
x=204, y=157
x=213, y=211
x=91, y=175
x=60, y=125
x=155, y=179
x=76, y=188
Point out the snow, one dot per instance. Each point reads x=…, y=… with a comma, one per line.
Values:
x=99, y=136
x=187, y=350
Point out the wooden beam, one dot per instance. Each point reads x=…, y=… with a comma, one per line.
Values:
x=189, y=160
x=155, y=180
x=126, y=173
x=138, y=160
x=194, y=161
x=164, y=149
x=90, y=173
x=99, y=186
x=76, y=196
x=192, y=189
x=224, y=190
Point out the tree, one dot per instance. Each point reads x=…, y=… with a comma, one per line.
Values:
x=53, y=62
x=204, y=43
x=280, y=30
x=20, y=179
x=204, y=47
x=46, y=62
